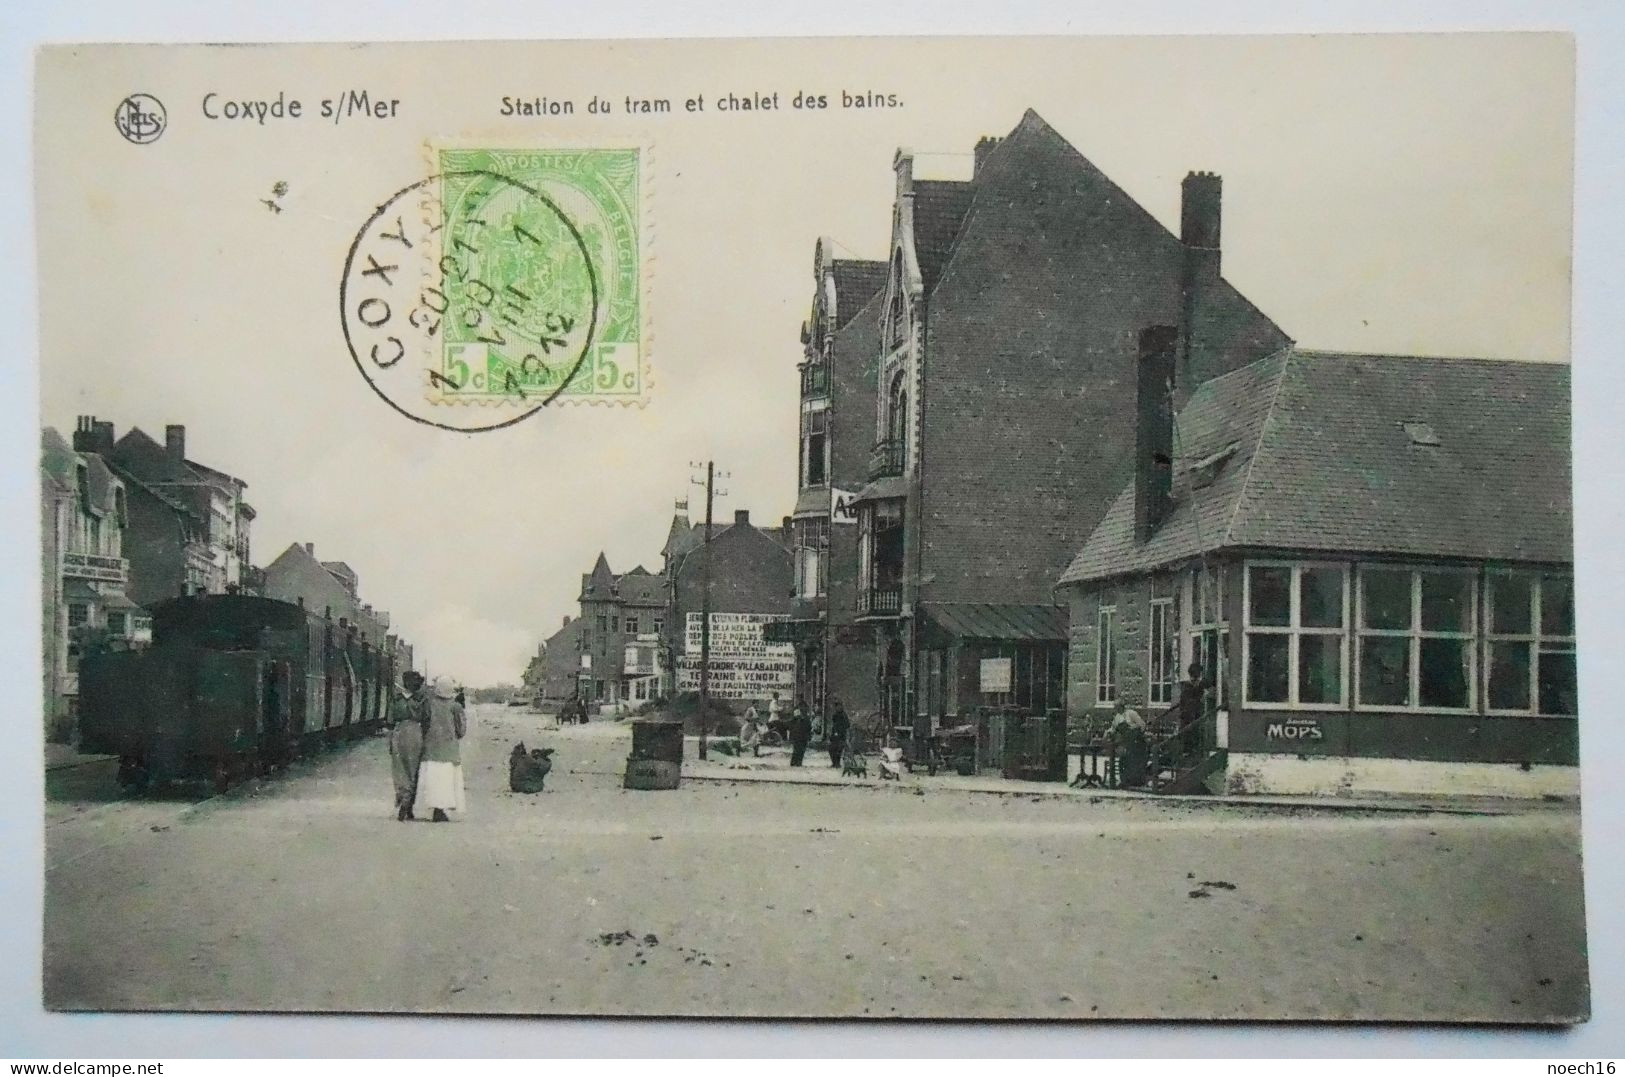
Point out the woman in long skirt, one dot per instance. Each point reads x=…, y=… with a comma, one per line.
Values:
x=440, y=777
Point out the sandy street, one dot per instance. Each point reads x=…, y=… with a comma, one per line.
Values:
x=761, y=898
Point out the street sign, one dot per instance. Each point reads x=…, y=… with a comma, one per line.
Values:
x=841, y=508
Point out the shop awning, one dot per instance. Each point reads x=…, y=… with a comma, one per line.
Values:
x=79, y=591
x=998, y=620
x=883, y=489
x=812, y=502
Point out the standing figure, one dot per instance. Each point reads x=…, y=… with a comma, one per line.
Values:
x=440, y=780
x=407, y=712
x=800, y=731
x=1188, y=710
x=840, y=727
x=1128, y=733
x=750, y=732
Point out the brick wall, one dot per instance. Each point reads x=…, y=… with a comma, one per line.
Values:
x=1031, y=342
x=153, y=545
x=750, y=573
x=1132, y=599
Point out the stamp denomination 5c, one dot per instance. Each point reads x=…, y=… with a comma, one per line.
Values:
x=508, y=279
x=541, y=267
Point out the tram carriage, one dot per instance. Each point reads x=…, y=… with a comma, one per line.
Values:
x=232, y=685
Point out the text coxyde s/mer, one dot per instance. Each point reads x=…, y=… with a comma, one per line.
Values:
x=261, y=110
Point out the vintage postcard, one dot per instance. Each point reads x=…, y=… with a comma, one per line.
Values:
x=1063, y=528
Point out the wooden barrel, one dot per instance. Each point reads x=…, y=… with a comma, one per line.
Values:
x=659, y=740
x=651, y=774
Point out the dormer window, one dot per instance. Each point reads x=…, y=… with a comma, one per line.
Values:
x=1202, y=472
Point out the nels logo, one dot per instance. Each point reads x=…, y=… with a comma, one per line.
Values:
x=140, y=118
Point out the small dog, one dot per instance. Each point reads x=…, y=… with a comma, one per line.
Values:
x=527, y=770
x=853, y=764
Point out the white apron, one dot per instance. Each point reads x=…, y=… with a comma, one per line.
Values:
x=440, y=785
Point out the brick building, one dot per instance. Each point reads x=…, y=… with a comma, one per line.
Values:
x=840, y=351
x=329, y=588
x=190, y=524
x=752, y=570
x=1371, y=556
x=622, y=619
x=553, y=673
x=1003, y=340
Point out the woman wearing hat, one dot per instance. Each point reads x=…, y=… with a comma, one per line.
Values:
x=440, y=779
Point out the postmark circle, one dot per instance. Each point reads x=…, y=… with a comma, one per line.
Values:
x=140, y=118
x=473, y=317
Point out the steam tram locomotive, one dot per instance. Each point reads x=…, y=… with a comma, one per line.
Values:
x=232, y=685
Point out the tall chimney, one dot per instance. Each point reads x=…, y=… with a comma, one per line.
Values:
x=175, y=442
x=1153, y=429
x=1201, y=196
x=1199, y=211
x=984, y=146
x=742, y=517
x=310, y=548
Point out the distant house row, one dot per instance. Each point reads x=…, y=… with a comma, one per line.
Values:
x=631, y=641
x=1050, y=459
x=128, y=523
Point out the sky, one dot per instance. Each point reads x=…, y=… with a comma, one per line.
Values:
x=1408, y=195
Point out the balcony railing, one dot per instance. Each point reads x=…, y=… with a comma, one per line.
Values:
x=92, y=566
x=886, y=460
x=814, y=379
x=880, y=601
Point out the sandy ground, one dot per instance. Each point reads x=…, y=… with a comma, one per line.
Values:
x=761, y=898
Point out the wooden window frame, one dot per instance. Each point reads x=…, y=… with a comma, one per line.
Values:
x=1294, y=630
x=1415, y=633
x=1106, y=656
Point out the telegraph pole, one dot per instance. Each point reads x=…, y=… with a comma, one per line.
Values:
x=705, y=612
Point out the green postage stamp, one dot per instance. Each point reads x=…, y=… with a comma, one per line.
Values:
x=540, y=270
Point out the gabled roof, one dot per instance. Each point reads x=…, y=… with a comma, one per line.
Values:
x=58, y=461
x=206, y=472
x=676, y=536
x=61, y=463
x=168, y=500
x=599, y=584
x=939, y=209
x=1327, y=452
x=642, y=589
x=856, y=282
x=101, y=484
x=148, y=460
